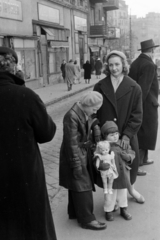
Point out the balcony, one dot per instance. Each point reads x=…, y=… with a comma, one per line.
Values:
x=98, y=30
x=104, y=32
x=98, y=1
x=111, y=5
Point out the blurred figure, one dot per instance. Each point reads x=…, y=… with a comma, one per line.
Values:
x=19, y=73
x=144, y=72
x=24, y=205
x=78, y=72
x=63, y=69
x=70, y=74
x=87, y=71
x=92, y=64
x=98, y=67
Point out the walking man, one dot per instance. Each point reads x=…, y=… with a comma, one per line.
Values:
x=70, y=74
x=144, y=72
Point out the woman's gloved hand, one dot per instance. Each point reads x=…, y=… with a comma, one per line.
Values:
x=77, y=172
x=125, y=142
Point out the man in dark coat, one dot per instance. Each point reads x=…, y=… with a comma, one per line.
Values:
x=98, y=67
x=144, y=72
x=25, y=212
x=87, y=71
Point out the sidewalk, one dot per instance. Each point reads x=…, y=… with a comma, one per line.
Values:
x=57, y=92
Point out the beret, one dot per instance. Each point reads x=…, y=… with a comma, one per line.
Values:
x=109, y=127
x=118, y=53
x=5, y=50
x=92, y=98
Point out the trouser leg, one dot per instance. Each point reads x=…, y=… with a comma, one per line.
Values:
x=82, y=202
x=122, y=197
x=110, y=201
x=143, y=154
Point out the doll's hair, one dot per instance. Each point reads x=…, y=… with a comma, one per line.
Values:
x=102, y=145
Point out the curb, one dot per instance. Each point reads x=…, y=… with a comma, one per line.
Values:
x=51, y=102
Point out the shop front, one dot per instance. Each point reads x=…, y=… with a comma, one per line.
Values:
x=80, y=37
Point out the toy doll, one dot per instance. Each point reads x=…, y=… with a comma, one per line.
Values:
x=102, y=154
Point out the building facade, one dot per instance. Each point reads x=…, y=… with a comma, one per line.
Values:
x=43, y=33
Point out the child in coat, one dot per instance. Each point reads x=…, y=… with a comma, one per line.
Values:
x=102, y=155
x=123, y=158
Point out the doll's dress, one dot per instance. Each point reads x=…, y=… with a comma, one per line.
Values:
x=112, y=171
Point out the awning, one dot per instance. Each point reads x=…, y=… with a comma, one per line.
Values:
x=94, y=49
x=56, y=44
x=48, y=31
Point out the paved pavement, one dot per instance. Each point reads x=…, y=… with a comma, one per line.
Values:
x=57, y=92
x=52, y=96
x=146, y=217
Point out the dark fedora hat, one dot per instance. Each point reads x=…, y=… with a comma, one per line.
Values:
x=5, y=50
x=147, y=44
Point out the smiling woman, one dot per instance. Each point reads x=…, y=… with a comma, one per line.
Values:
x=122, y=103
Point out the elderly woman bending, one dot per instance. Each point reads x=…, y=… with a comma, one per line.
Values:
x=75, y=174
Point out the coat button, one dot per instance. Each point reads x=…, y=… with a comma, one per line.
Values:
x=115, y=119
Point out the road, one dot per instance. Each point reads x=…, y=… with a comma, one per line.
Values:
x=145, y=224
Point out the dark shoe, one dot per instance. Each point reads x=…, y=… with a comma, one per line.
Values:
x=148, y=162
x=140, y=199
x=94, y=225
x=124, y=214
x=141, y=172
x=109, y=216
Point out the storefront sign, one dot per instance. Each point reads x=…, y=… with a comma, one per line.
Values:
x=11, y=9
x=80, y=24
x=48, y=14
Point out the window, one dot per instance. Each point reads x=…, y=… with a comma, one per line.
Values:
x=26, y=52
x=92, y=17
x=27, y=63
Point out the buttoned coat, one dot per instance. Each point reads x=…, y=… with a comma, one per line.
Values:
x=123, y=168
x=144, y=72
x=72, y=152
x=24, y=205
x=125, y=108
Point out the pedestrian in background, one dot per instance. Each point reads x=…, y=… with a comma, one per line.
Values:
x=92, y=61
x=63, y=65
x=78, y=72
x=98, y=67
x=70, y=74
x=144, y=72
x=24, y=205
x=87, y=71
x=74, y=171
x=122, y=103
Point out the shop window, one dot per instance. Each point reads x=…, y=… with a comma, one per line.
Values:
x=25, y=49
x=27, y=63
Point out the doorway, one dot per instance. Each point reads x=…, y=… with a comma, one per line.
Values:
x=81, y=50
